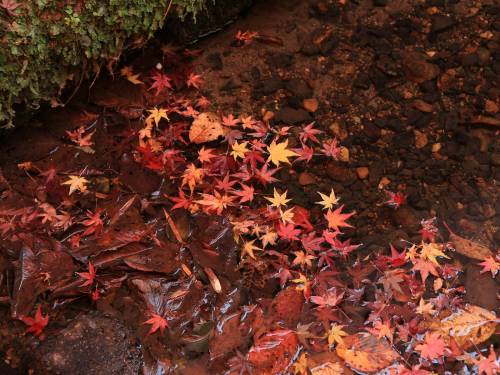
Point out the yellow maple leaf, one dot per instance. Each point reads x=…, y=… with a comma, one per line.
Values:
x=76, y=183
x=278, y=152
x=249, y=248
x=156, y=115
x=128, y=73
x=430, y=251
x=278, y=199
x=335, y=335
x=287, y=215
x=328, y=201
x=300, y=366
x=239, y=149
x=269, y=238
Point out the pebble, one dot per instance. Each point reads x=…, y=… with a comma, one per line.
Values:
x=421, y=139
x=292, y=116
x=310, y=105
x=362, y=172
x=306, y=179
x=423, y=106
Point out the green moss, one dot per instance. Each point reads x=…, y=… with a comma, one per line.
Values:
x=44, y=44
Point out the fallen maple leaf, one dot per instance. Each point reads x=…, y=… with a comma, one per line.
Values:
x=246, y=195
x=128, y=73
x=36, y=324
x=335, y=335
x=395, y=200
x=239, y=149
x=89, y=277
x=160, y=82
x=336, y=219
x=156, y=115
x=278, y=153
x=157, y=322
x=76, y=183
x=433, y=346
x=490, y=265
x=194, y=80
x=278, y=199
x=488, y=365
x=328, y=201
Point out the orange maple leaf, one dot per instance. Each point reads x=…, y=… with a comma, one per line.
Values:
x=336, y=219
x=157, y=322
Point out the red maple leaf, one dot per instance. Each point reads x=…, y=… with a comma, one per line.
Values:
x=10, y=6
x=288, y=232
x=94, y=223
x=331, y=148
x=36, y=324
x=305, y=153
x=395, y=200
x=490, y=265
x=246, y=194
x=336, y=219
x=330, y=299
x=194, y=80
x=308, y=132
x=433, y=346
x=265, y=176
x=157, y=322
x=488, y=365
x=181, y=201
x=311, y=242
x=88, y=276
x=160, y=82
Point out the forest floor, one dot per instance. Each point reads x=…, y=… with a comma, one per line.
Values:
x=148, y=219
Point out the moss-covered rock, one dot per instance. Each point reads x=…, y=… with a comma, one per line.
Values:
x=45, y=44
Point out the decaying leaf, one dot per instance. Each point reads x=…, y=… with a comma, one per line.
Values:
x=327, y=363
x=469, y=248
x=469, y=326
x=206, y=127
x=364, y=352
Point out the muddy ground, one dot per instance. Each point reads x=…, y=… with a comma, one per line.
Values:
x=410, y=88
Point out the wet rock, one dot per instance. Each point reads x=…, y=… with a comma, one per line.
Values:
x=214, y=61
x=306, y=179
x=362, y=172
x=267, y=86
x=292, y=116
x=372, y=131
x=299, y=88
x=340, y=173
x=420, y=139
x=91, y=345
x=416, y=67
x=440, y=23
x=320, y=41
x=481, y=288
x=406, y=218
x=280, y=60
x=495, y=159
x=310, y=105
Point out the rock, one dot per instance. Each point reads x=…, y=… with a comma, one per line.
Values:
x=339, y=130
x=420, y=139
x=320, y=41
x=306, y=179
x=416, y=68
x=490, y=106
x=340, y=173
x=280, y=60
x=407, y=218
x=423, y=106
x=380, y=3
x=495, y=159
x=299, y=88
x=372, y=131
x=310, y=105
x=267, y=86
x=481, y=288
x=92, y=344
x=362, y=172
x=292, y=116
x=214, y=61
x=440, y=23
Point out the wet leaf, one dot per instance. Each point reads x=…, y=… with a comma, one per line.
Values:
x=206, y=127
x=470, y=326
x=366, y=353
x=469, y=248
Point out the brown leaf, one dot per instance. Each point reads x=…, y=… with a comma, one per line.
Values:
x=469, y=248
x=366, y=353
x=207, y=127
x=471, y=326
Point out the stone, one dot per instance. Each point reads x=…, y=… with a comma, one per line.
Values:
x=292, y=116
x=92, y=344
x=310, y=105
x=423, y=106
x=416, y=67
x=420, y=139
x=440, y=23
x=306, y=179
x=362, y=172
x=407, y=218
x=299, y=88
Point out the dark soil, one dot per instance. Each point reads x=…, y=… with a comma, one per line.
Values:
x=410, y=88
